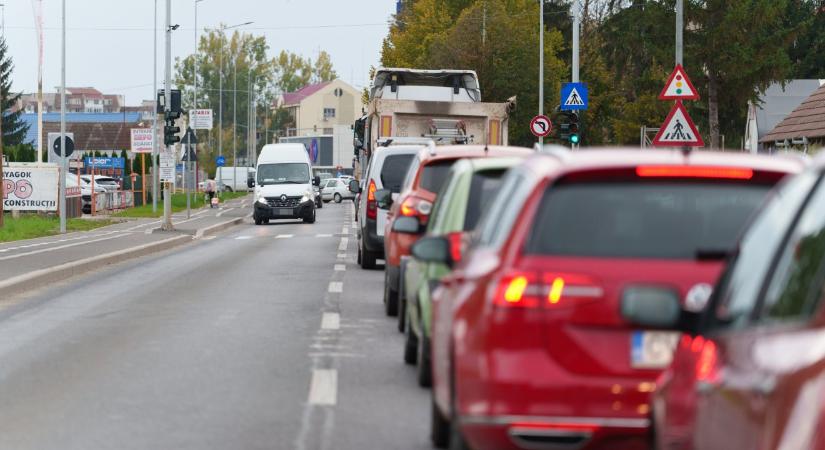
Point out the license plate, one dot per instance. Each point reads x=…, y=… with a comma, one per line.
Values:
x=652, y=349
x=285, y=211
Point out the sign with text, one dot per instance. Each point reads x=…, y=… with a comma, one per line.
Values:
x=167, y=165
x=99, y=162
x=200, y=119
x=30, y=187
x=143, y=140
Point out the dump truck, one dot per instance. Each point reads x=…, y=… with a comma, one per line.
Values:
x=412, y=105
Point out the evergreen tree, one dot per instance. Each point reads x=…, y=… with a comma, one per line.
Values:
x=14, y=129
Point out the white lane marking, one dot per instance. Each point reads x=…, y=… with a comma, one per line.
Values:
x=345, y=230
x=331, y=321
x=342, y=256
x=324, y=386
x=342, y=247
x=35, y=252
x=242, y=238
x=354, y=224
x=224, y=211
x=59, y=241
x=209, y=238
x=336, y=287
x=284, y=236
x=340, y=267
x=323, y=235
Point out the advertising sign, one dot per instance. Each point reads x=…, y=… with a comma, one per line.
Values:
x=143, y=140
x=30, y=187
x=100, y=162
x=200, y=119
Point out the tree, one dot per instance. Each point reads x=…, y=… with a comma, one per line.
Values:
x=14, y=129
x=322, y=69
x=292, y=72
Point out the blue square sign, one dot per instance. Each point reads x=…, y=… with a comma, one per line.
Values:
x=573, y=96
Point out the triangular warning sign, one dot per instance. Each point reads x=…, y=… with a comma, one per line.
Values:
x=679, y=86
x=574, y=99
x=678, y=130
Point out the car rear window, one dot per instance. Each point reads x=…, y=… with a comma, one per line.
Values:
x=393, y=171
x=434, y=175
x=483, y=188
x=666, y=220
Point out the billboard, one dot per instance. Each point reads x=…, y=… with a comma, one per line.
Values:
x=200, y=119
x=143, y=140
x=30, y=187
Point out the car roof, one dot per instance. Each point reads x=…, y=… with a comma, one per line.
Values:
x=448, y=152
x=479, y=164
x=544, y=164
x=398, y=150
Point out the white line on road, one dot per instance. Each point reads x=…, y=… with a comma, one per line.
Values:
x=35, y=252
x=331, y=321
x=336, y=287
x=354, y=224
x=345, y=230
x=225, y=210
x=342, y=256
x=284, y=236
x=324, y=386
x=343, y=246
x=323, y=235
x=340, y=267
x=242, y=238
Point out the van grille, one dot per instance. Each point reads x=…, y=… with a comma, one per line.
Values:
x=290, y=202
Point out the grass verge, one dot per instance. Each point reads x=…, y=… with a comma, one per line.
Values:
x=178, y=204
x=30, y=226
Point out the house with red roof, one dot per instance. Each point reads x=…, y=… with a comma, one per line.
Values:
x=317, y=109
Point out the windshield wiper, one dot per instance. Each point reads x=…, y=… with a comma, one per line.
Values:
x=292, y=182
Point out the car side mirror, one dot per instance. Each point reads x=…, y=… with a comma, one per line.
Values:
x=383, y=198
x=316, y=181
x=408, y=225
x=651, y=307
x=354, y=187
x=433, y=249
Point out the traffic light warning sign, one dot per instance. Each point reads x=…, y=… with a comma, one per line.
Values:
x=679, y=86
x=678, y=130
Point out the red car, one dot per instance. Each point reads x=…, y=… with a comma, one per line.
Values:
x=530, y=347
x=427, y=174
x=750, y=371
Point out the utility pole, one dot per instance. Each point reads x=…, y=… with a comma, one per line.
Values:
x=167, y=195
x=541, y=63
x=63, y=157
x=155, y=189
x=577, y=21
x=680, y=29
x=235, y=122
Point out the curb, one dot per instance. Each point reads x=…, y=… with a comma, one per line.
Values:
x=22, y=283
x=217, y=227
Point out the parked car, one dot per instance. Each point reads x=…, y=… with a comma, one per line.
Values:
x=529, y=344
x=386, y=169
x=749, y=372
x=428, y=172
x=335, y=189
x=108, y=183
x=469, y=186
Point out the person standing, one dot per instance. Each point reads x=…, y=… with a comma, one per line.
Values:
x=211, y=186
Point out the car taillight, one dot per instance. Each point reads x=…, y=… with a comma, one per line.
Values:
x=372, y=206
x=694, y=172
x=456, y=241
x=416, y=207
x=551, y=290
x=705, y=357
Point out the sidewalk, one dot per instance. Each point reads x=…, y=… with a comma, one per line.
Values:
x=31, y=263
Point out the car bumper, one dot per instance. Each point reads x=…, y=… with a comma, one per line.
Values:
x=369, y=236
x=398, y=245
x=303, y=210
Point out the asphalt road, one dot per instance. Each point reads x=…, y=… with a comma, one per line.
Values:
x=265, y=337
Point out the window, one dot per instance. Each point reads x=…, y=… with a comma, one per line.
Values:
x=393, y=171
x=736, y=293
x=494, y=226
x=433, y=175
x=794, y=289
x=329, y=113
x=483, y=188
x=283, y=173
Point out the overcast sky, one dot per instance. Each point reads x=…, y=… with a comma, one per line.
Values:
x=109, y=42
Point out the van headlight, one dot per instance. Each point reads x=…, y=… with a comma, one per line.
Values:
x=308, y=196
x=261, y=199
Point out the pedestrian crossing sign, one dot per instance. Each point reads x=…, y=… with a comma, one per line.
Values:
x=679, y=86
x=678, y=130
x=573, y=96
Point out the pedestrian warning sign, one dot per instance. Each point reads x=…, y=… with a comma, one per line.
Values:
x=678, y=130
x=679, y=86
x=573, y=96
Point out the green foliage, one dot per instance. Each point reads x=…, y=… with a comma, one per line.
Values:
x=14, y=129
x=20, y=153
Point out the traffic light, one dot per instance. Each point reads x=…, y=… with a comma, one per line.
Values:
x=573, y=127
x=170, y=132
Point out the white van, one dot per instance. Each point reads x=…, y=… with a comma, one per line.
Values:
x=283, y=184
x=234, y=179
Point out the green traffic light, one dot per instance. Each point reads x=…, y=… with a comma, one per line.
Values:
x=574, y=138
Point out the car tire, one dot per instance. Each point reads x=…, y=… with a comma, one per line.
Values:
x=439, y=428
x=338, y=198
x=319, y=204
x=402, y=305
x=258, y=221
x=266, y=221
x=358, y=258
x=228, y=189
x=310, y=219
x=424, y=374
x=410, y=344
x=390, y=297
x=367, y=258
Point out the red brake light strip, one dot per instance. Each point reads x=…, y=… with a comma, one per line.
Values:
x=733, y=173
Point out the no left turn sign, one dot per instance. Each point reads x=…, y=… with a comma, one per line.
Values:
x=541, y=126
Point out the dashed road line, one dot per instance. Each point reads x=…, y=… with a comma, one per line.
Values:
x=340, y=267
x=223, y=212
x=284, y=236
x=342, y=247
x=336, y=287
x=342, y=256
x=323, y=235
x=323, y=389
x=243, y=238
x=35, y=252
x=331, y=321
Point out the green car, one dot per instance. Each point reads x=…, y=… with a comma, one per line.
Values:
x=470, y=186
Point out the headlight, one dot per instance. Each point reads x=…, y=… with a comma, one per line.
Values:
x=261, y=199
x=308, y=196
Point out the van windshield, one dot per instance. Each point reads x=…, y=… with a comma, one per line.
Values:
x=283, y=173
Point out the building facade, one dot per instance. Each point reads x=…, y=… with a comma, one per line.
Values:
x=78, y=100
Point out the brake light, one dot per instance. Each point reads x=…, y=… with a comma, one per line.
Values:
x=551, y=289
x=694, y=172
x=706, y=357
x=456, y=245
x=517, y=290
x=567, y=286
x=372, y=206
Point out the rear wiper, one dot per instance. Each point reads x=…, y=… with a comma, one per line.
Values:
x=712, y=254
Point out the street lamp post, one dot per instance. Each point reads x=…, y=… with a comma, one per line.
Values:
x=155, y=118
x=188, y=163
x=223, y=29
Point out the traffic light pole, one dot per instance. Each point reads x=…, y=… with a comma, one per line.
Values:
x=577, y=21
x=167, y=196
x=541, y=63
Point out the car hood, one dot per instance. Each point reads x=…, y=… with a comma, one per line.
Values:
x=277, y=190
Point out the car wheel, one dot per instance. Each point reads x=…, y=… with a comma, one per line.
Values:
x=367, y=258
x=338, y=198
x=266, y=221
x=439, y=428
x=310, y=219
x=390, y=297
x=358, y=258
x=424, y=371
x=228, y=189
x=402, y=305
x=456, y=440
x=410, y=343
x=258, y=221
